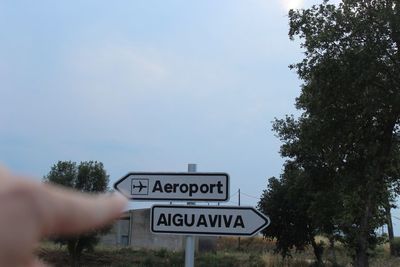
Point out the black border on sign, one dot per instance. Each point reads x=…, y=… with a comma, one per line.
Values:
x=178, y=174
x=266, y=219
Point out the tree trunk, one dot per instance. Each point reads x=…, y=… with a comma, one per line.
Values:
x=332, y=250
x=74, y=252
x=361, y=257
x=390, y=228
x=75, y=260
x=372, y=191
x=361, y=251
x=318, y=250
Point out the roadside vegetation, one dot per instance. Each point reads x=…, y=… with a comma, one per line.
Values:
x=341, y=175
x=89, y=177
x=253, y=252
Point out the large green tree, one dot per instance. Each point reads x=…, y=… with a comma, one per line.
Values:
x=305, y=201
x=286, y=201
x=350, y=103
x=89, y=177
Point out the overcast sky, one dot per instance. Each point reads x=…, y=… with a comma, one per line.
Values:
x=147, y=86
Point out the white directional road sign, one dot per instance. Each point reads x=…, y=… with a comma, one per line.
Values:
x=174, y=186
x=207, y=220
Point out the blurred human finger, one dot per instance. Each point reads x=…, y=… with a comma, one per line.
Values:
x=66, y=212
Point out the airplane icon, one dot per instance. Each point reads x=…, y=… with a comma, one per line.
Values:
x=140, y=187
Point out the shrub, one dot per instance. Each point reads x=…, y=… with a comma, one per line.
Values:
x=396, y=246
x=217, y=260
x=255, y=260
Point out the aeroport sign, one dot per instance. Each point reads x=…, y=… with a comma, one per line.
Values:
x=174, y=186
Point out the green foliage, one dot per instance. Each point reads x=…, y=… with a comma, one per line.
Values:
x=344, y=147
x=63, y=173
x=288, y=202
x=289, y=222
x=88, y=176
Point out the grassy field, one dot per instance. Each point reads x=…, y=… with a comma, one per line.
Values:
x=253, y=252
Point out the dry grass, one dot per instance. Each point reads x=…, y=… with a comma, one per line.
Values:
x=254, y=244
x=253, y=252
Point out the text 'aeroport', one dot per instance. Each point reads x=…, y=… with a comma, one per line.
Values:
x=187, y=188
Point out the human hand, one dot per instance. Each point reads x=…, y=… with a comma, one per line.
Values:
x=30, y=211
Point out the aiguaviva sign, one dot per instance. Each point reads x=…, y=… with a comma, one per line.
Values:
x=207, y=220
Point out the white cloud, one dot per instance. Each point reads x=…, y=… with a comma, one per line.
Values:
x=298, y=4
x=124, y=91
x=292, y=4
x=114, y=67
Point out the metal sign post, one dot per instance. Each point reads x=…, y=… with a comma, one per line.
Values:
x=190, y=245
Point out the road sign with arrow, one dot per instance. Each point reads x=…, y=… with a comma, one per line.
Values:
x=207, y=220
x=174, y=186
